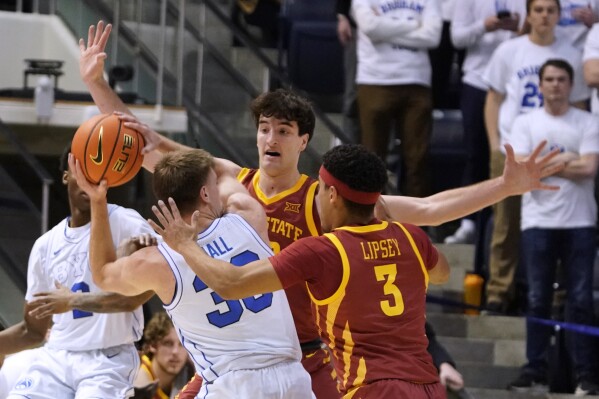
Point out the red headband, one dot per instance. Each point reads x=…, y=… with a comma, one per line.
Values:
x=359, y=197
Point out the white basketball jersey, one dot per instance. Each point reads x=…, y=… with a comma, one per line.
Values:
x=223, y=336
x=62, y=255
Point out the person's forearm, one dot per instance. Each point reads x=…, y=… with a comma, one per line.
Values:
x=591, y=72
x=456, y=203
x=105, y=97
x=427, y=36
x=18, y=337
x=492, y=120
x=579, y=169
x=379, y=28
x=101, y=248
x=108, y=302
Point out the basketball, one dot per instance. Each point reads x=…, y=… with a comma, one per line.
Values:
x=106, y=149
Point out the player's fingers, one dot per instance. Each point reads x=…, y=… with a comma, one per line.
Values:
x=168, y=216
x=549, y=156
x=99, y=30
x=158, y=212
x=158, y=229
x=552, y=169
x=81, y=45
x=509, y=152
x=537, y=150
x=91, y=32
x=100, y=57
x=195, y=219
x=549, y=187
x=174, y=209
x=105, y=35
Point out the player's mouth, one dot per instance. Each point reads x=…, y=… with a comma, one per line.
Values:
x=272, y=154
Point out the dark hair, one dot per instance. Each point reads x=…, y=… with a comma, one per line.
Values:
x=180, y=175
x=157, y=328
x=529, y=3
x=285, y=104
x=63, y=165
x=359, y=168
x=560, y=64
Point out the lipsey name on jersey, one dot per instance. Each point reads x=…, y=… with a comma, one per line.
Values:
x=532, y=70
x=278, y=226
x=401, y=4
x=380, y=249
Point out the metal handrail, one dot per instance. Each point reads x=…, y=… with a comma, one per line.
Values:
x=37, y=168
x=274, y=69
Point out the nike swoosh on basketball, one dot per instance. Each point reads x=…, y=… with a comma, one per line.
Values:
x=97, y=159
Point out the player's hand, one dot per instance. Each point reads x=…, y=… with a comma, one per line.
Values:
x=173, y=229
x=54, y=302
x=344, y=32
x=151, y=137
x=510, y=23
x=91, y=60
x=585, y=15
x=132, y=244
x=450, y=377
x=96, y=192
x=523, y=176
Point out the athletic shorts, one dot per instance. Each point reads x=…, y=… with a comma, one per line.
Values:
x=286, y=380
x=397, y=389
x=94, y=374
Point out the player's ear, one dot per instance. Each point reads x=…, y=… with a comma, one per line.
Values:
x=204, y=193
x=65, y=177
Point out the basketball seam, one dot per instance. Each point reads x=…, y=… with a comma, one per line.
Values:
x=118, y=134
x=87, y=139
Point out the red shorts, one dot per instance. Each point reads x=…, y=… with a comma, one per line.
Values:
x=397, y=389
x=191, y=389
x=318, y=364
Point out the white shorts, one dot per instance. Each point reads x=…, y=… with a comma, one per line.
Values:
x=101, y=374
x=287, y=380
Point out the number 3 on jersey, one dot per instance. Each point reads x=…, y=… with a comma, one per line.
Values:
x=233, y=315
x=387, y=273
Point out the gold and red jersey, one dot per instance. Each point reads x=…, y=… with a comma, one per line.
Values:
x=291, y=215
x=368, y=288
x=146, y=367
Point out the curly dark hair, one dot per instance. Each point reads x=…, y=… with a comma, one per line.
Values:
x=157, y=328
x=181, y=175
x=359, y=168
x=285, y=104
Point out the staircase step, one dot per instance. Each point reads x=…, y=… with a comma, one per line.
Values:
x=480, y=375
x=498, y=352
x=466, y=326
x=485, y=393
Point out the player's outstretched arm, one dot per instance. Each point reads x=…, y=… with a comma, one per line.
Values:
x=91, y=69
x=124, y=275
x=228, y=281
x=28, y=333
x=64, y=300
x=518, y=177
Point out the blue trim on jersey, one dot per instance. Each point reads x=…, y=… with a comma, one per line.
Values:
x=196, y=361
x=209, y=229
x=178, y=294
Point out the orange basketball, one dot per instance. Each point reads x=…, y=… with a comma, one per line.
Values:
x=106, y=149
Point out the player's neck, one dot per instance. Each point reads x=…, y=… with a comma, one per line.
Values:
x=556, y=108
x=542, y=39
x=79, y=218
x=345, y=218
x=165, y=380
x=272, y=185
